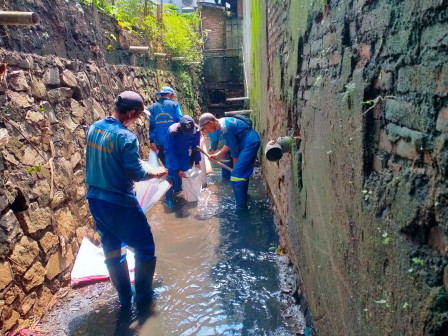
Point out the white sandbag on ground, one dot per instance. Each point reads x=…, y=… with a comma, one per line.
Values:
x=89, y=264
x=192, y=185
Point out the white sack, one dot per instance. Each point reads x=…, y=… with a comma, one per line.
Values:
x=89, y=264
x=205, y=162
x=192, y=185
x=206, y=167
x=150, y=191
x=153, y=159
x=203, y=171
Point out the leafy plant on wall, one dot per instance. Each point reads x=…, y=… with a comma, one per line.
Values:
x=181, y=33
x=175, y=33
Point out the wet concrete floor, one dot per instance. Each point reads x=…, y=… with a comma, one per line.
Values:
x=217, y=274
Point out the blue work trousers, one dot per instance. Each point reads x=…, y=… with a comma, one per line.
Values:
x=175, y=181
x=225, y=174
x=244, y=166
x=241, y=172
x=119, y=226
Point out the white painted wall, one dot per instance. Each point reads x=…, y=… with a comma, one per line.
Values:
x=247, y=41
x=179, y=3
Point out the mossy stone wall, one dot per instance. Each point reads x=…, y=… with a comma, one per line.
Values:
x=362, y=198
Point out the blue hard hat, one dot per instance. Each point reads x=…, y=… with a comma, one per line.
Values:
x=165, y=90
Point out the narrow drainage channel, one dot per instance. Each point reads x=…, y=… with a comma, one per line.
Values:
x=216, y=275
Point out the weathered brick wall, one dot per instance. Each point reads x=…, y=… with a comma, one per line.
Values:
x=46, y=104
x=362, y=199
x=213, y=23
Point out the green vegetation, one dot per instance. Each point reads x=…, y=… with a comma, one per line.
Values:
x=256, y=91
x=171, y=32
x=37, y=168
x=418, y=261
x=186, y=81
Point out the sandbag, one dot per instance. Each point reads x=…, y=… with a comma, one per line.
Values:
x=153, y=159
x=203, y=171
x=206, y=167
x=205, y=162
x=192, y=185
x=150, y=191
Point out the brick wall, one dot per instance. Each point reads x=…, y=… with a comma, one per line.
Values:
x=362, y=199
x=213, y=23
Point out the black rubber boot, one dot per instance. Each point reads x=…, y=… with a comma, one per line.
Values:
x=119, y=276
x=144, y=274
x=124, y=321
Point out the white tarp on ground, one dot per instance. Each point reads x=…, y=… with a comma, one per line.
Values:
x=89, y=264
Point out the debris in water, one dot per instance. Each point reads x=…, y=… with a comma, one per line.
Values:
x=279, y=251
x=27, y=332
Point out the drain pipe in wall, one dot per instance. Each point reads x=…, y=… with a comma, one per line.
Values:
x=275, y=149
x=19, y=18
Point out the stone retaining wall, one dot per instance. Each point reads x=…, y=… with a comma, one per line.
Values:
x=61, y=77
x=363, y=198
x=44, y=215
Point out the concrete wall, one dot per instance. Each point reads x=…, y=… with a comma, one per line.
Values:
x=362, y=199
x=46, y=103
x=180, y=3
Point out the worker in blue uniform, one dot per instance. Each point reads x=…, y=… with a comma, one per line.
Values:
x=112, y=165
x=180, y=153
x=164, y=113
x=242, y=141
x=225, y=158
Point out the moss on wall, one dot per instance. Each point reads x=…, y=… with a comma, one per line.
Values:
x=359, y=201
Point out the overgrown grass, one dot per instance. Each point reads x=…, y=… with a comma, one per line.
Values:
x=173, y=33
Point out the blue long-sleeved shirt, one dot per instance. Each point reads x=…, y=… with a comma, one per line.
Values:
x=214, y=141
x=177, y=149
x=113, y=163
x=243, y=142
x=237, y=134
x=164, y=113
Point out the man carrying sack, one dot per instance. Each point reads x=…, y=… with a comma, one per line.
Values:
x=113, y=164
x=181, y=153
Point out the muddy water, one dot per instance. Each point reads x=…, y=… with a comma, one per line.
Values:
x=215, y=273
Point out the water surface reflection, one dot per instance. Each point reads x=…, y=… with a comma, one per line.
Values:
x=215, y=274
